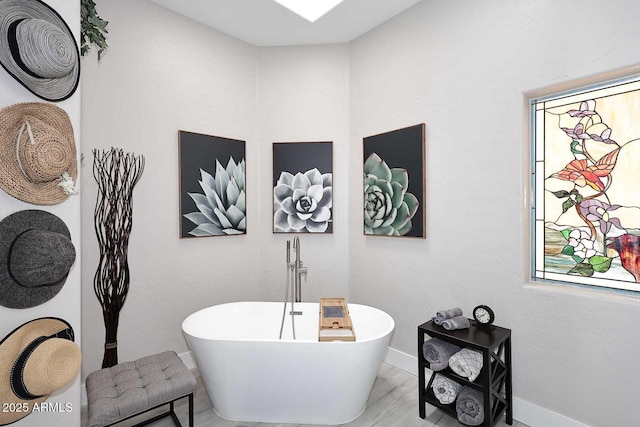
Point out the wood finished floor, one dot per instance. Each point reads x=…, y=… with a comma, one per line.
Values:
x=393, y=402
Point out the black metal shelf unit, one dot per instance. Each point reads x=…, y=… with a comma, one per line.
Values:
x=494, y=381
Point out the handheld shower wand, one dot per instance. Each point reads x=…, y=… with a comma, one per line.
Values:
x=298, y=270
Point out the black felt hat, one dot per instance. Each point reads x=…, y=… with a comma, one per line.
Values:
x=36, y=255
x=38, y=49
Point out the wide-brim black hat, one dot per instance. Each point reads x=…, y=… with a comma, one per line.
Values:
x=36, y=255
x=38, y=49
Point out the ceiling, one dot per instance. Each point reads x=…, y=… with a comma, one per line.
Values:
x=267, y=23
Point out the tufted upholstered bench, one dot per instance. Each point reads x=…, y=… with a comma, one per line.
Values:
x=128, y=389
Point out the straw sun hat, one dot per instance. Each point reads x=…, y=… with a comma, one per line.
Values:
x=36, y=255
x=36, y=359
x=37, y=153
x=38, y=49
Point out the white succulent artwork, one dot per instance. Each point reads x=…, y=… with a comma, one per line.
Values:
x=302, y=202
x=221, y=207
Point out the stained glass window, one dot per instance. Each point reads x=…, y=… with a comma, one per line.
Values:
x=585, y=186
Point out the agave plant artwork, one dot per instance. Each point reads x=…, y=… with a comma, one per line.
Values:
x=302, y=202
x=388, y=206
x=221, y=206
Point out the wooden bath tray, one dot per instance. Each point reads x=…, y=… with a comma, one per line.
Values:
x=335, y=321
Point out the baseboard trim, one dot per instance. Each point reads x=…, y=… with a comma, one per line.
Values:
x=401, y=360
x=523, y=411
x=534, y=415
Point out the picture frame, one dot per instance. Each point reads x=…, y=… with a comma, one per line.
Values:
x=303, y=187
x=394, y=187
x=212, y=185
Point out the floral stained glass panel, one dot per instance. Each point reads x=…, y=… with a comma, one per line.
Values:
x=586, y=186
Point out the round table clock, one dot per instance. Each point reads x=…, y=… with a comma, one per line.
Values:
x=484, y=315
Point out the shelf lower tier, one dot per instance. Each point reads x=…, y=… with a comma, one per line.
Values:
x=450, y=408
x=431, y=399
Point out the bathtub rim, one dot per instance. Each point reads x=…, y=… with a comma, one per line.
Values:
x=386, y=332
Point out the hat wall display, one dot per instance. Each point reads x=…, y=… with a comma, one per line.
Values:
x=36, y=254
x=36, y=359
x=38, y=161
x=38, y=49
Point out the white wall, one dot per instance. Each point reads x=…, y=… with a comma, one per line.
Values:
x=197, y=79
x=462, y=67
x=163, y=73
x=66, y=304
x=303, y=96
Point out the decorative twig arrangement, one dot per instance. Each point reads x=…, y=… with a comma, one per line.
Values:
x=116, y=173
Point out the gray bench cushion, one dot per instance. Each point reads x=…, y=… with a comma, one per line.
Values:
x=132, y=387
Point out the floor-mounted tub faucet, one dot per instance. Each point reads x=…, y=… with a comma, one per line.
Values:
x=298, y=271
x=293, y=283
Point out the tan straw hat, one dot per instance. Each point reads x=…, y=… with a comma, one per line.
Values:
x=36, y=359
x=37, y=153
x=38, y=49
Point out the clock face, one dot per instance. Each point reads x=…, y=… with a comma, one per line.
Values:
x=482, y=315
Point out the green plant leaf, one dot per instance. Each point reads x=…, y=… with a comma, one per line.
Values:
x=585, y=270
x=93, y=28
x=568, y=250
x=579, y=198
x=567, y=205
x=577, y=259
x=575, y=144
x=601, y=264
x=560, y=194
x=565, y=233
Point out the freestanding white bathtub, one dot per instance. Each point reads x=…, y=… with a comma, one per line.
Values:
x=251, y=375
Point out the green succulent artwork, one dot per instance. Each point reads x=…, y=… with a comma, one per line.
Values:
x=388, y=207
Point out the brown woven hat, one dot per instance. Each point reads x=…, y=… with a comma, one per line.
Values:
x=36, y=359
x=37, y=153
x=38, y=49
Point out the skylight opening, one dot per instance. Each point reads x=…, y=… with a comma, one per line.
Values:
x=311, y=10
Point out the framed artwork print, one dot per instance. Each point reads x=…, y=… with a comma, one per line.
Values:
x=212, y=185
x=302, y=187
x=585, y=219
x=394, y=183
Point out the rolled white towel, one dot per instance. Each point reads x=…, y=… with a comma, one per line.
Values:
x=466, y=363
x=446, y=390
